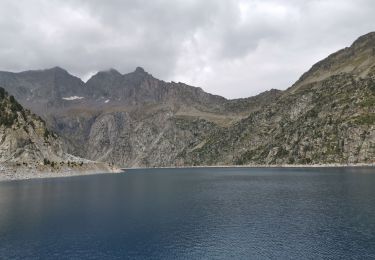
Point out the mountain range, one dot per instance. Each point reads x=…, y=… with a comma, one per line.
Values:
x=136, y=120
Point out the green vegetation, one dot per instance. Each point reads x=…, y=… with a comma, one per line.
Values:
x=369, y=102
x=9, y=108
x=47, y=133
x=58, y=165
x=3, y=93
x=368, y=119
x=245, y=157
x=46, y=161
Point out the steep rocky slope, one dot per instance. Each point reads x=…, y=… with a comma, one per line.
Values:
x=357, y=60
x=327, y=116
x=24, y=136
x=28, y=148
x=330, y=121
x=134, y=119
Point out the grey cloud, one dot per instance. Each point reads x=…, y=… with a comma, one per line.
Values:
x=233, y=48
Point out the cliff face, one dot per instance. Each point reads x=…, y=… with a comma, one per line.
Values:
x=134, y=119
x=24, y=136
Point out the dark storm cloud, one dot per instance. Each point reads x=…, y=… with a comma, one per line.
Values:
x=233, y=48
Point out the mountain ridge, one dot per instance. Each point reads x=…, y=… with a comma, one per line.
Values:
x=134, y=119
x=360, y=54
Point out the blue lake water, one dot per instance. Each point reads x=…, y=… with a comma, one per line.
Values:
x=209, y=213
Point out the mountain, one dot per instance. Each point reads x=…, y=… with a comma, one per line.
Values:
x=41, y=90
x=327, y=116
x=26, y=144
x=134, y=119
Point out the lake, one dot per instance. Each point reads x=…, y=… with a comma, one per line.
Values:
x=200, y=213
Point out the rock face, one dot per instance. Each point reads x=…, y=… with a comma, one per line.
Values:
x=330, y=121
x=42, y=90
x=134, y=119
x=29, y=150
x=24, y=136
x=357, y=60
x=327, y=116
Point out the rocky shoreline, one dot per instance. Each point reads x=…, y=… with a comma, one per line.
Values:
x=11, y=172
x=264, y=166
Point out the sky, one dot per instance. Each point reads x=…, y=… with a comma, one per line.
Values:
x=233, y=48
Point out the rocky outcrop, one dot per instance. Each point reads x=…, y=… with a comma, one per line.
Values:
x=24, y=136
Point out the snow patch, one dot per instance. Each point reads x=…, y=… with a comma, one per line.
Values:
x=72, y=98
x=106, y=101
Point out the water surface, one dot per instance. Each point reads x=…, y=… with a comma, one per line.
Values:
x=209, y=213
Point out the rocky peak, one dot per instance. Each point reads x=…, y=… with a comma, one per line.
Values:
x=138, y=75
x=105, y=74
x=113, y=71
x=367, y=40
x=38, y=90
x=357, y=60
x=139, y=70
x=44, y=73
x=136, y=78
x=57, y=69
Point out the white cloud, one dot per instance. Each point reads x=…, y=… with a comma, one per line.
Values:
x=234, y=48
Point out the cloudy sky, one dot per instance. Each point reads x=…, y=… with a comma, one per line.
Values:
x=235, y=48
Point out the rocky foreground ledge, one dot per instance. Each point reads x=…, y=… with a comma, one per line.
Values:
x=21, y=171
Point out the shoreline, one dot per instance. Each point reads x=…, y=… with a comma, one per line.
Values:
x=260, y=166
x=14, y=173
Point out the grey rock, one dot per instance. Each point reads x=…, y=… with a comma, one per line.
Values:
x=134, y=119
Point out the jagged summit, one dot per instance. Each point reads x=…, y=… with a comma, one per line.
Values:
x=139, y=70
x=112, y=74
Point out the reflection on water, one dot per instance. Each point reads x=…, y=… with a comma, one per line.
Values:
x=192, y=213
